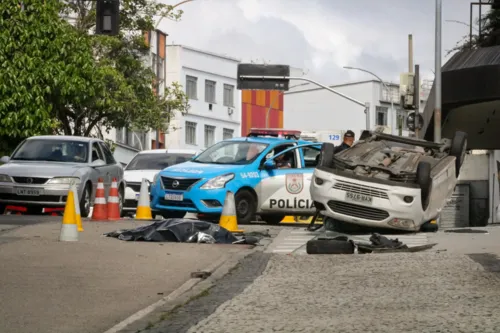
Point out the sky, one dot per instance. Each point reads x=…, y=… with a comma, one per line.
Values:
x=322, y=36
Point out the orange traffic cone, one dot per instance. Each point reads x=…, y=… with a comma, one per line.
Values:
x=100, y=211
x=113, y=202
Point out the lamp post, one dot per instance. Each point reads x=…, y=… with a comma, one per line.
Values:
x=392, y=115
x=277, y=96
x=437, y=78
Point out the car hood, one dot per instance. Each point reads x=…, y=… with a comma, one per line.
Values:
x=40, y=169
x=135, y=176
x=200, y=170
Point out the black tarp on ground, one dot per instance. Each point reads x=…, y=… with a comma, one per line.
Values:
x=178, y=230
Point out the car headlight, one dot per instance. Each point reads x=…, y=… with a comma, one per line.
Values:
x=5, y=179
x=64, y=180
x=218, y=182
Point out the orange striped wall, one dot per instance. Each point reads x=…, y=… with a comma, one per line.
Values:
x=254, y=106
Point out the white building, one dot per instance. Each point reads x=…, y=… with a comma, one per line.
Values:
x=215, y=104
x=311, y=108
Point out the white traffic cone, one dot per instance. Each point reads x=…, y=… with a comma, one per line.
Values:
x=228, y=219
x=143, y=211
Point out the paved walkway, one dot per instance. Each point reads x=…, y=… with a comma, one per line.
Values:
x=47, y=286
x=387, y=293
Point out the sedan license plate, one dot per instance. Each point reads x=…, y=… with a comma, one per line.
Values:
x=33, y=192
x=174, y=196
x=358, y=197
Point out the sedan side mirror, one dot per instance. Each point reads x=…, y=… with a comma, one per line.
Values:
x=4, y=159
x=97, y=163
x=270, y=164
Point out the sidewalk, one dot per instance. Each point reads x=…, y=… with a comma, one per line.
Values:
x=47, y=286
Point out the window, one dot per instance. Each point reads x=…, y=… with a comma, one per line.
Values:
x=210, y=91
x=227, y=133
x=53, y=150
x=381, y=115
x=231, y=152
x=107, y=153
x=391, y=95
x=209, y=135
x=157, y=161
x=97, y=153
x=190, y=133
x=228, y=95
x=290, y=157
x=191, y=87
x=131, y=138
x=311, y=156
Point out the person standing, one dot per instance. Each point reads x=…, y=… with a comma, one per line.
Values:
x=346, y=143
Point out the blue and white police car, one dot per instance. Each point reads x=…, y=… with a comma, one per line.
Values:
x=269, y=171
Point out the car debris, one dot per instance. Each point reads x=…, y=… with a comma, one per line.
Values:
x=182, y=231
x=467, y=231
x=344, y=245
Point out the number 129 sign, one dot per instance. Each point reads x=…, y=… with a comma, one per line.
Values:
x=334, y=137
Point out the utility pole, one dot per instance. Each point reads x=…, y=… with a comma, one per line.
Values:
x=416, y=100
x=437, y=79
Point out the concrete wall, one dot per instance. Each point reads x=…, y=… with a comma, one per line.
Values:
x=183, y=61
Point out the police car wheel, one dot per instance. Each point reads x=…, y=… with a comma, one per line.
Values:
x=272, y=219
x=326, y=155
x=245, y=206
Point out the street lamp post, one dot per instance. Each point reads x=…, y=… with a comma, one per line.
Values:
x=392, y=115
x=277, y=97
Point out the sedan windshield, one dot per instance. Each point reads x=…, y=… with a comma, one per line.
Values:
x=156, y=161
x=53, y=150
x=232, y=152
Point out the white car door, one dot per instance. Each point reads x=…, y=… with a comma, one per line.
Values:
x=286, y=190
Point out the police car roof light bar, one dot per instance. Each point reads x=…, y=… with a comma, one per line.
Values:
x=275, y=132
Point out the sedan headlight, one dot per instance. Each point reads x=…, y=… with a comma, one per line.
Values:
x=5, y=179
x=64, y=180
x=218, y=182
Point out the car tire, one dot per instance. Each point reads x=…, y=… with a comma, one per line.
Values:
x=424, y=180
x=85, y=211
x=458, y=149
x=329, y=246
x=245, y=206
x=121, y=199
x=173, y=215
x=326, y=155
x=272, y=219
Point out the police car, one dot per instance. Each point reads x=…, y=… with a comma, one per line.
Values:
x=269, y=171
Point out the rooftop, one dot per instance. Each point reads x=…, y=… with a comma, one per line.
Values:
x=223, y=56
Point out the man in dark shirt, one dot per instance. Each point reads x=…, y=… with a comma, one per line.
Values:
x=347, y=143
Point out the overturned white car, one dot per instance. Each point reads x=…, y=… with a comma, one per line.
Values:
x=386, y=181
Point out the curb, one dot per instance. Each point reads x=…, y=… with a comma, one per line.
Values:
x=181, y=295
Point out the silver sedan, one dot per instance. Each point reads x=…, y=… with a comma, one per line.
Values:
x=39, y=172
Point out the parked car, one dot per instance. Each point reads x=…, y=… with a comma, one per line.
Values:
x=387, y=181
x=251, y=168
x=41, y=169
x=146, y=164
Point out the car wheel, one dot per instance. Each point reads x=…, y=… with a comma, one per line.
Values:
x=429, y=227
x=329, y=246
x=272, y=219
x=245, y=206
x=173, y=215
x=326, y=155
x=424, y=180
x=85, y=201
x=121, y=199
x=458, y=149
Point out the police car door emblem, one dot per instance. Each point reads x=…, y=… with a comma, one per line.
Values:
x=294, y=183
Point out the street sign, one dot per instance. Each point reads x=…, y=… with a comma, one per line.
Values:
x=263, y=77
x=410, y=121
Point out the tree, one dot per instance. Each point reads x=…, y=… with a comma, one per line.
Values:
x=489, y=36
x=127, y=99
x=44, y=63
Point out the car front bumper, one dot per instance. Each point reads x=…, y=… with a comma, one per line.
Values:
x=43, y=195
x=387, y=209
x=194, y=200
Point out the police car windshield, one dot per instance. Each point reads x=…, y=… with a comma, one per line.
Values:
x=232, y=152
x=156, y=161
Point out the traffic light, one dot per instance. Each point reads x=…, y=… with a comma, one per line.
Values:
x=107, y=17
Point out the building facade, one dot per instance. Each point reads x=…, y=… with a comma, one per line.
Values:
x=311, y=108
x=261, y=109
x=209, y=81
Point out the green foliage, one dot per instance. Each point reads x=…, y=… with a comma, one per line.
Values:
x=489, y=36
x=55, y=77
